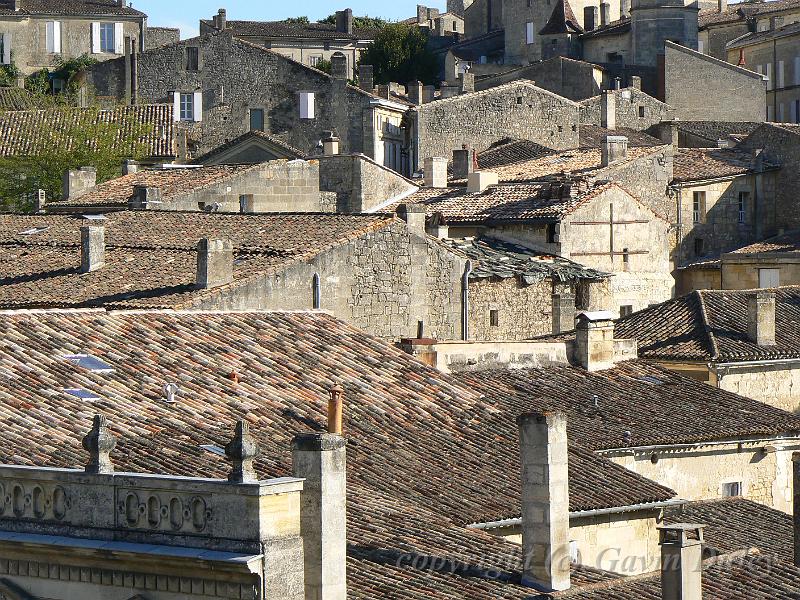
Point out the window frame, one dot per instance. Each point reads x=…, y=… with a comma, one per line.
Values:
x=105, y=39
x=743, y=201
x=186, y=107
x=252, y=113
x=494, y=317
x=729, y=486
x=698, y=207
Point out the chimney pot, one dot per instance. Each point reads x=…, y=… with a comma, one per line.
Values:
x=608, y=110
x=435, y=172
x=761, y=318
x=335, y=409
x=330, y=144
x=214, y=263
x=479, y=181
x=615, y=149
x=93, y=248
x=681, y=561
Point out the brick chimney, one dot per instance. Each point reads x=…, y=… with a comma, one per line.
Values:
x=563, y=312
x=214, y=263
x=590, y=18
x=93, y=248
x=463, y=164
x=545, y=501
x=761, y=318
x=330, y=144
x=321, y=459
x=78, y=182
x=339, y=66
x=608, y=110
x=415, y=217
x=435, y=172
x=366, y=77
x=615, y=149
x=479, y=181
x=344, y=21
x=594, y=340
x=681, y=561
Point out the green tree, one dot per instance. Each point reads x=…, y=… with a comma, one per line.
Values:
x=72, y=138
x=365, y=22
x=297, y=21
x=325, y=66
x=400, y=53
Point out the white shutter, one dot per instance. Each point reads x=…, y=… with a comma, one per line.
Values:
x=6, y=58
x=307, y=107
x=49, y=36
x=529, y=33
x=95, y=38
x=57, y=37
x=119, y=39
x=198, y=106
x=176, y=106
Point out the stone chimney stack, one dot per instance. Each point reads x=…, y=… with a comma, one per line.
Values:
x=99, y=443
x=214, y=263
x=681, y=561
x=545, y=501
x=222, y=19
x=761, y=318
x=321, y=459
x=366, y=77
x=144, y=197
x=344, y=21
x=463, y=164
x=594, y=340
x=339, y=66
x=590, y=18
x=415, y=92
x=435, y=172
x=563, y=312
x=78, y=182
x=415, y=217
x=330, y=144
x=428, y=93
x=615, y=149
x=625, y=8
x=635, y=82
x=722, y=6
x=93, y=248
x=129, y=167
x=605, y=13
x=479, y=181
x=608, y=110
x=467, y=80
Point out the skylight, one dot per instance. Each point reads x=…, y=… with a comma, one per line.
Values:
x=651, y=379
x=92, y=363
x=82, y=394
x=34, y=230
x=213, y=449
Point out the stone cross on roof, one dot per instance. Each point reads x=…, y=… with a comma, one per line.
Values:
x=241, y=451
x=99, y=443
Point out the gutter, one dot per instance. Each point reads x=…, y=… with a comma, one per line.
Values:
x=632, y=450
x=755, y=363
x=586, y=513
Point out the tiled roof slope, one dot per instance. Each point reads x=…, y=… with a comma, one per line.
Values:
x=787, y=242
x=508, y=151
x=698, y=164
x=655, y=405
x=736, y=524
x=495, y=258
x=172, y=183
x=614, y=28
x=414, y=454
x=711, y=325
x=744, y=10
x=716, y=130
x=69, y=8
x=25, y=133
x=562, y=20
x=151, y=256
x=283, y=29
x=15, y=98
x=593, y=136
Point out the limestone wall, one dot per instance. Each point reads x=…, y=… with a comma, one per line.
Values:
x=634, y=109
x=777, y=385
x=524, y=311
x=360, y=184
x=161, y=36
x=740, y=272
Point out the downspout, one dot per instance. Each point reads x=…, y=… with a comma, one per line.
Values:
x=465, y=301
x=775, y=79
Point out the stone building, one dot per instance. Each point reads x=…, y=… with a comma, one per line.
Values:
x=222, y=87
x=773, y=53
x=625, y=107
x=711, y=134
x=36, y=34
x=306, y=43
x=436, y=23
x=375, y=271
x=743, y=341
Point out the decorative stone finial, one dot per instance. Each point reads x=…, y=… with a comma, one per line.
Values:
x=241, y=451
x=99, y=443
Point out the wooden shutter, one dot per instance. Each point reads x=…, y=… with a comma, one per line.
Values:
x=198, y=106
x=119, y=39
x=95, y=38
x=176, y=106
x=6, y=58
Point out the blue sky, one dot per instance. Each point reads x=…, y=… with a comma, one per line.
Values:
x=186, y=13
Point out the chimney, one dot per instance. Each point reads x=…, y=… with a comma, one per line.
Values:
x=339, y=66
x=77, y=182
x=16, y=5
x=242, y=450
x=366, y=77
x=594, y=340
x=344, y=21
x=463, y=164
x=144, y=197
x=775, y=23
x=99, y=443
x=330, y=144
x=428, y=93
x=93, y=248
x=479, y=181
x=214, y=263
x=668, y=133
x=545, y=501
x=129, y=167
x=415, y=216
x=435, y=172
x=617, y=83
x=321, y=459
x=39, y=201
x=335, y=409
x=467, y=80
x=415, y=92
x=608, y=110
x=624, y=8
x=422, y=14
x=605, y=13
x=615, y=149
x=221, y=21
x=761, y=318
x=635, y=82
x=722, y=6
x=590, y=18
x=681, y=561
x=757, y=160
x=563, y=312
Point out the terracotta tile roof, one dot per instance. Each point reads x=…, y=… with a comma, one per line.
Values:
x=698, y=164
x=493, y=258
x=655, y=405
x=508, y=151
x=562, y=20
x=711, y=325
x=173, y=183
x=283, y=29
x=738, y=524
x=593, y=136
x=15, y=98
x=786, y=242
x=712, y=131
x=69, y=8
x=743, y=11
x=151, y=256
x=27, y=132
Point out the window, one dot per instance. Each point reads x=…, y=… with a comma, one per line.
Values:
x=107, y=37
x=82, y=394
x=731, y=489
x=744, y=200
x=698, y=207
x=494, y=318
x=519, y=100
x=307, y=105
x=626, y=258
x=89, y=362
x=699, y=246
x=314, y=61
x=574, y=552
x=641, y=112
x=256, y=119
x=187, y=107
x=551, y=233
x=192, y=58
x=625, y=310
x=769, y=278
x=529, y=33
x=53, y=37
x=316, y=292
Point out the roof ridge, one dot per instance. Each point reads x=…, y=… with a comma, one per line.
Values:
x=707, y=324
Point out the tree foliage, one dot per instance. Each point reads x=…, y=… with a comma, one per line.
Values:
x=365, y=22
x=400, y=53
x=297, y=21
x=74, y=138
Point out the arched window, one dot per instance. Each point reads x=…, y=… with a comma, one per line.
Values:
x=316, y=292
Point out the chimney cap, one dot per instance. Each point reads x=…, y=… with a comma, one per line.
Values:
x=681, y=533
x=596, y=315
